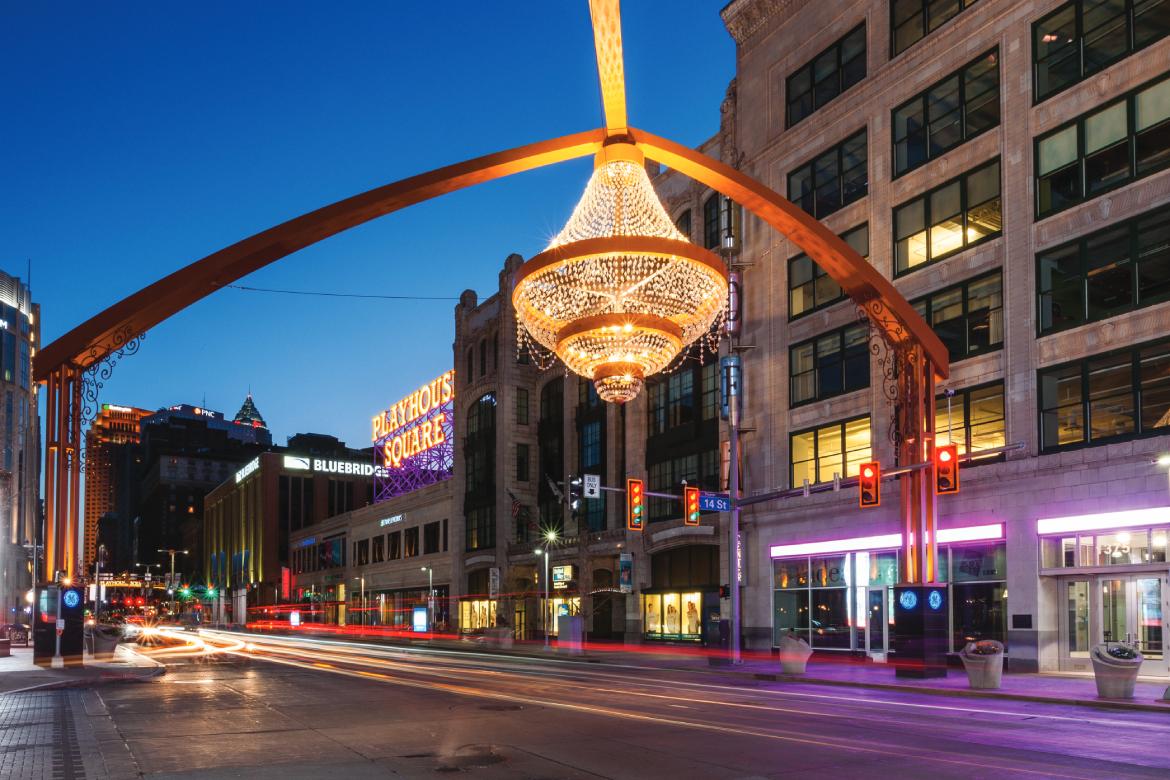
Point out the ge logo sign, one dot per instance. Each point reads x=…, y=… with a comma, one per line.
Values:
x=934, y=600
x=908, y=599
x=71, y=598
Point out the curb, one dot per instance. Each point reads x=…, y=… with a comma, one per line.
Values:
x=103, y=677
x=1113, y=704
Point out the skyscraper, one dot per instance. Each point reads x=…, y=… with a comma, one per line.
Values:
x=116, y=429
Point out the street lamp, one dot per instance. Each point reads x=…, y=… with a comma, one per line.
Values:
x=550, y=536
x=362, y=609
x=430, y=595
x=171, y=582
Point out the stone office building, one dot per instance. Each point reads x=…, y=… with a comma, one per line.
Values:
x=1007, y=165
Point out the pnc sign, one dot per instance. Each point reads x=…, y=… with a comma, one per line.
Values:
x=415, y=424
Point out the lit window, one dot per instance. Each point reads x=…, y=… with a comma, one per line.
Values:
x=956, y=215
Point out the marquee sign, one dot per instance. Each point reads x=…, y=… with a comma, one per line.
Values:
x=412, y=439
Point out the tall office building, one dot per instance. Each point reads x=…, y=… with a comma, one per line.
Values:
x=20, y=509
x=1007, y=165
x=108, y=473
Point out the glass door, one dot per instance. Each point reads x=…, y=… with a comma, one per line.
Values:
x=1132, y=611
x=877, y=628
x=1076, y=625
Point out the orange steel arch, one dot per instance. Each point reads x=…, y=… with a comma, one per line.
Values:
x=60, y=365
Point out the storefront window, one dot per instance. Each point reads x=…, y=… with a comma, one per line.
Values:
x=477, y=614
x=791, y=573
x=830, y=572
x=830, y=618
x=1137, y=546
x=790, y=614
x=979, y=562
x=561, y=606
x=979, y=612
x=673, y=615
x=883, y=569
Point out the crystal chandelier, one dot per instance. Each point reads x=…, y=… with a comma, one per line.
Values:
x=620, y=292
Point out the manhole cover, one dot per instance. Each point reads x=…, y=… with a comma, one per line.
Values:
x=501, y=707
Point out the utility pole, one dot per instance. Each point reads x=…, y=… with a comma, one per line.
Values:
x=731, y=367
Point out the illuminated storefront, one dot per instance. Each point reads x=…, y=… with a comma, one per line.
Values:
x=1111, y=576
x=561, y=606
x=673, y=616
x=838, y=595
x=477, y=614
x=682, y=603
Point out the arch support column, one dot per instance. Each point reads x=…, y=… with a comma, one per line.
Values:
x=62, y=470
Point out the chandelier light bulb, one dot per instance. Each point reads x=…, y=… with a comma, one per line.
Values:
x=619, y=293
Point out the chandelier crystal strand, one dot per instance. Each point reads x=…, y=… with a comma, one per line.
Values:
x=619, y=294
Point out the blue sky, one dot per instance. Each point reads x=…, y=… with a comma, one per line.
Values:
x=139, y=137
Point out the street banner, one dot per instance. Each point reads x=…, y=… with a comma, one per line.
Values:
x=493, y=582
x=626, y=573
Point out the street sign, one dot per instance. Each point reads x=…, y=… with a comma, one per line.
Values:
x=714, y=502
x=592, y=486
x=494, y=582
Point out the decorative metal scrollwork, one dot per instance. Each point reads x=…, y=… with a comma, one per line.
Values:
x=124, y=343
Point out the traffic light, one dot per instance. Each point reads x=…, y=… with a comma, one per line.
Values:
x=575, y=486
x=691, y=505
x=869, y=482
x=635, y=505
x=946, y=469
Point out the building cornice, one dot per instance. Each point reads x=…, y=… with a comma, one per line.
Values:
x=743, y=18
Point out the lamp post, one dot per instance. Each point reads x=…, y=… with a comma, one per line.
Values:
x=430, y=596
x=171, y=582
x=550, y=537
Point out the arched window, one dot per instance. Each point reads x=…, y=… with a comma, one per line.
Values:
x=482, y=357
x=480, y=468
x=470, y=365
x=683, y=223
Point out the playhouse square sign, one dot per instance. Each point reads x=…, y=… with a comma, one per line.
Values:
x=416, y=423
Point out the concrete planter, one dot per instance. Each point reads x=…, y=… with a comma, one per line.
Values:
x=794, y=653
x=105, y=640
x=984, y=670
x=1115, y=676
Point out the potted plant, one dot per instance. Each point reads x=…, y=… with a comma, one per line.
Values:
x=983, y=661
x=1115, y=667
x=794, y=653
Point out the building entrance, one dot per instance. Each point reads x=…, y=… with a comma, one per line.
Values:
x=1129, y=608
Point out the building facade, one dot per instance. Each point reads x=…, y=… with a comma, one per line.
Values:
x=186, y=452
x=251, y=518
x=1007, y=165
x=20, y=451
x=111, y=465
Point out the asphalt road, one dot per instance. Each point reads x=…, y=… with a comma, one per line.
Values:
x=291, y=708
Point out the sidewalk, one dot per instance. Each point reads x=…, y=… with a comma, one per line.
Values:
x=18, y=673
x=1065, y=689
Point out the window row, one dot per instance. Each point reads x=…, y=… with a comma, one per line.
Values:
x=833, y=179
x=682, y=398
x=826, y=76
x=912, y=20
x=1107, y=397
x=401, y=544
x=968, y=317
x=949, y=113
x=667, y=476
x=949, y=218
x=809, y=287
x=1114, y=270
x=1103, y=149
x=973, y=419
x=829, y=365
x=1085, y=36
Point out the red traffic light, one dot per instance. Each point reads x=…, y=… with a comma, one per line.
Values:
x=946, y=469
x=869, y=484
x=691, y=505
x=635, y=505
